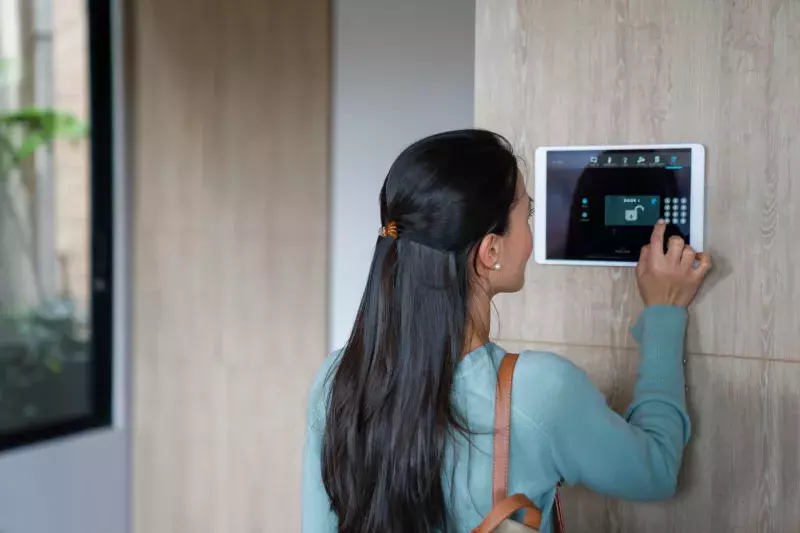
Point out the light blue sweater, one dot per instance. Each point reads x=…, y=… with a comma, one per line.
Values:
x=561, y=428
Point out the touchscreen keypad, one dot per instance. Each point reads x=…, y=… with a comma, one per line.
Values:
x=676, y=210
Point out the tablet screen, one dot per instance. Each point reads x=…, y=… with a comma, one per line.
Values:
x=602, y=205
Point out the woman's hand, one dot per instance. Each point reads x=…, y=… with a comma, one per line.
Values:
x=671, y=278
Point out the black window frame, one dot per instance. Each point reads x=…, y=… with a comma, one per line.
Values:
x=101, y=122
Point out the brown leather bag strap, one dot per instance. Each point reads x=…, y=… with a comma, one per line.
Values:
x=502, y=440
x=504, y=509
x=559, y=514
x=502, y=428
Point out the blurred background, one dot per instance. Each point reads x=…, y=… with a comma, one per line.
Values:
x=44, y=211
x=188, y=210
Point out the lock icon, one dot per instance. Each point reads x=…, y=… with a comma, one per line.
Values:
x=632, y=215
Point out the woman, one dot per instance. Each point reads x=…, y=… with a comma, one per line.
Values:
x=399, y=436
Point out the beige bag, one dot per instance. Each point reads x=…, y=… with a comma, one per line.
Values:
x=503, y=506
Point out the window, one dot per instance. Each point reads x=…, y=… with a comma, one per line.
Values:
x=56, y=169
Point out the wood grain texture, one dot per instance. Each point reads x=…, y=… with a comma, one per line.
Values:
x=181, y=438
x=218, y=446
x=723, y=73
x=741, y=471
x=231, y=105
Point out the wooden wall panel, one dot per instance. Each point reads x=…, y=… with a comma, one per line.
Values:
x=724, y=73
x=230, y=144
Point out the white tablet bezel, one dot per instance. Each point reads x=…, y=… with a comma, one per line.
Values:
x=696, y=211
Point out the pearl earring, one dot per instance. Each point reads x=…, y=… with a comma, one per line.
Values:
x=497, y=266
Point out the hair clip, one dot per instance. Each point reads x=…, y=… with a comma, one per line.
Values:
x=389, y=230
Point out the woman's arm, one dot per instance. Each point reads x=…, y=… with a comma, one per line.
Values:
x=317, y=515
x=636, y=457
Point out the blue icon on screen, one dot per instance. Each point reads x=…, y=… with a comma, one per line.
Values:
x=653, y=201
x=585, y=201
x=585, y=214
x=673, y=159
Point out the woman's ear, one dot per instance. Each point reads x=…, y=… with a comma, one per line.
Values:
x=488, y=253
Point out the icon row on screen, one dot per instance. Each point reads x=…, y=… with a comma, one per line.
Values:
x=639, y=160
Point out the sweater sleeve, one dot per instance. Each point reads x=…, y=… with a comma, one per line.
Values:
x=317, y=516
x=636, y=457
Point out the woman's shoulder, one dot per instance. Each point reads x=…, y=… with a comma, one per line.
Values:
x=326, y=369
x=541, y=366
x=545, y=384
x=320, y=388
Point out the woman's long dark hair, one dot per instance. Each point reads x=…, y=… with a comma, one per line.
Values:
x=389, y=413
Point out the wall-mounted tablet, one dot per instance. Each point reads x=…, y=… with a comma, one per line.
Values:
x=597, y=205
